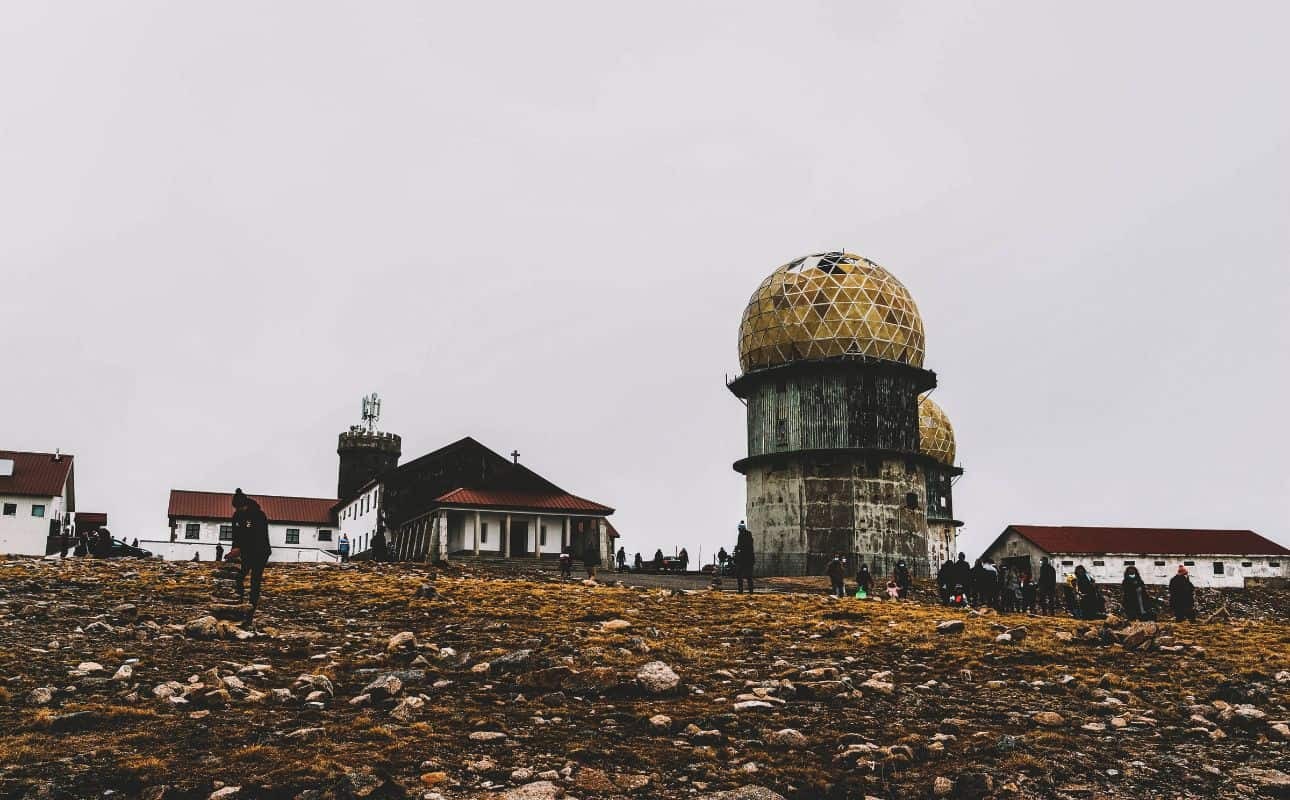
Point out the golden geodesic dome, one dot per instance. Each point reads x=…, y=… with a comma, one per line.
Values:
x=935, y=433
x=830, y=305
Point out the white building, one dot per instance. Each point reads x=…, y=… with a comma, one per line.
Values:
x=37, y=499
x=300, y=528
x=1216, y=558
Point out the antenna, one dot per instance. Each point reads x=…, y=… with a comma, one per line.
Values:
x=371, y=412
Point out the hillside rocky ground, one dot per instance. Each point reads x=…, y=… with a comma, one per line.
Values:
x=134, y=679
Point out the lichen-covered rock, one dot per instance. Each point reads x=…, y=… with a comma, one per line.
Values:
x=656, y=677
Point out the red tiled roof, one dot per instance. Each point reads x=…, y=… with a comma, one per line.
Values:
x=219, y=505
x=91, y=518
x=35, y=474
x=1180, y=541
x=521, y=500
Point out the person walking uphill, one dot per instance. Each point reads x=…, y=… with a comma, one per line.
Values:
x=744, y=558
x=836, y=571
x=1182, y=596
x=250, y=547
x=1137, y=603
x=1047, y=587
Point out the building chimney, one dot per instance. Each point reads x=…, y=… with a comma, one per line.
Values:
x=58, y=454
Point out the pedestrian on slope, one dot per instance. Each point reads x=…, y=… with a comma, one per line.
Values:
x=864, y=581
x=904, y=581
x=638, y=563
x=250, y=547
x=944, y=581
x=836, y=571
x=1069, y=596
x=977, y=587
x=684, y=558
x=1137, y=603
x=622, y=560
x=566, y=562
x=1047, y=587
x=962, y=573
x=1089, y=594
x=590, y=559
x=342, y=549
x=219, y=552
x=1182, y=596
x=992, y=586
x=745, y=558
x=1028, y=593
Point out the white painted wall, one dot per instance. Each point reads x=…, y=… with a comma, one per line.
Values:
x=310, y=547
x=359, y=517
x=23, y=534
x=1200, y=568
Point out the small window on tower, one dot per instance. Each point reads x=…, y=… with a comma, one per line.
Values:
x=911, y=500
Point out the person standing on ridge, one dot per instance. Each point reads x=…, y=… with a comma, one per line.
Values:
x=219, y=552
x=1047, y=587
x=1182, y=596
x=836, y=570
x=745, y=558
x=250, y=547
x=622, y=560
x=342, y=549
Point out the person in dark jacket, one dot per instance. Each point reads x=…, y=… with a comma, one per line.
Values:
x=1046, y=588
x=566, y=562
x=250, y=547
x=977, y=586
x=1182, y=596
x=622, y=559
x=836, y=571
x=638, y=563
x=684, y=558
x=1088, y=595
x=961, y=575
x=945, y=581
x=904, y=581
x=745, y=558
x=219, y=552
x=1027, y=594
x=1137, y=603
x=591, y=559
x=864, y=579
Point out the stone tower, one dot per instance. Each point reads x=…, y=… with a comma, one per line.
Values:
x=831, y=347
x=365, y=452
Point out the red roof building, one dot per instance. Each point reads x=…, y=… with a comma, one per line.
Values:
x=1212, y=557
x=37, y=499
x=34, y=474
x=218, y=506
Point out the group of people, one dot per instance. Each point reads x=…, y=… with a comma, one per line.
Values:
x=660, y=563
x=898, y=585
x=1007, y=589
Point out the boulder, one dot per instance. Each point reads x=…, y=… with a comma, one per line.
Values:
x=744, y=793
x=402, y=642
x=384, y=687
x=656, y=677
x=950, y=626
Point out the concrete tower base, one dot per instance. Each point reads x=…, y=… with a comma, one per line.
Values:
x=804, y=508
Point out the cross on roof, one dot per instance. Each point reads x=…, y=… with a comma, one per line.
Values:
x=515, y=454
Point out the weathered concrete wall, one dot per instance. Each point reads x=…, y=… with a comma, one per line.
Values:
x=942, y=542
x=807, y=509
x=834, y=410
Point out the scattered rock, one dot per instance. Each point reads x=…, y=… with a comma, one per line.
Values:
x=402, y=642
x=788, y=737
x=950, y=626
x=1049, y=719
x=656, y=677
x=408, y=709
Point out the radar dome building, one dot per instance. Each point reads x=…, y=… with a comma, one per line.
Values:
x=845, y=452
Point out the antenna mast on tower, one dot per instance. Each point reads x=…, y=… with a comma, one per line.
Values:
x=371, y=412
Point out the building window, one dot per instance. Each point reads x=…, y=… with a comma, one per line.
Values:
x=1099, y=563
x=1068, y=563
x=1247, y=564
x=226, y=533
x=911, y=500
x=1274, y=564
x=1189, y=563
x=542, y=536
x=483, y=532
x=1160, y=563
x=11, y=509
x=37, y=510
x=192, y=530
x=1130, y=563
x=293, y=536
x=1218, y=567
x=324, y=535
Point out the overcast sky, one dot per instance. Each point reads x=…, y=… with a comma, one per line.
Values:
x=221, y=224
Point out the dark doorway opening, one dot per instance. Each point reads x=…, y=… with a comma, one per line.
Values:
x=519, y=538
x=1020, y=565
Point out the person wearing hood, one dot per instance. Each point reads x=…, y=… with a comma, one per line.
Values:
x=1182, y=596
x=1089, y=594
x=250, y=547
x=745, y=558
x=976, y=585
x=836, y=571
x=904, y=581
x=864, y=580
x=1136, y=601
x=961, y=574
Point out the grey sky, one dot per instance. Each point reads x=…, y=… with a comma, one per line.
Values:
x=538, y=224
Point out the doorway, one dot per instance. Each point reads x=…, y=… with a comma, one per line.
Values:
x=519, y=538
